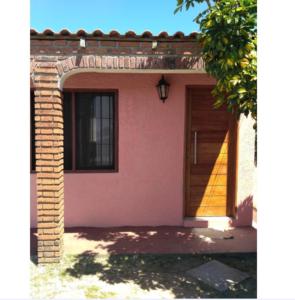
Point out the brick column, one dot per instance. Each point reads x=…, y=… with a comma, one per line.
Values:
x=49, y=163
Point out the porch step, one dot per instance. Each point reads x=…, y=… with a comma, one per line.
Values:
x=220, y=223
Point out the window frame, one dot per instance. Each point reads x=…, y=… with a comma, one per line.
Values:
x=116, y=129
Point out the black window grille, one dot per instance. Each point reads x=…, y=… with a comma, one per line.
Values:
x=90, y=131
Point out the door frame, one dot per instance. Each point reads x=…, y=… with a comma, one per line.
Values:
x=232, y=156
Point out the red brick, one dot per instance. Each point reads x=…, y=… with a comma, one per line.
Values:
x=48, y=243
x=104, y=62
x=47, y=175
x=60, y=43
x=48, y=112
x=146, y=45
x=43, y=200
x=91, y=61
x=41, y=42
x=46, y=70
x=44, y=156
x=46, y=260
x=128, y=44
x=108, y=43
x=126, y=62
x=51, y=100
x=48, y=213
x=46, y=78
x=45, y=64
x=110, y=64
x=98, y=61
x=47, y=93
x=45, y=85
x=91, y=43
x=48, y=124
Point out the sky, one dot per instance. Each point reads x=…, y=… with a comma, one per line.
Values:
x=106, y=15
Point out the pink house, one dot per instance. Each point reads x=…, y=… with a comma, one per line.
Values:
x=108, y=151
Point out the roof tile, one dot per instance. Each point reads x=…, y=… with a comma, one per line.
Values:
x=113, y=33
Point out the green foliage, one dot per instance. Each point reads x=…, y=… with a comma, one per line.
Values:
x=228, y=35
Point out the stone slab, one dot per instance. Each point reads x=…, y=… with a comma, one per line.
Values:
x=217, y=275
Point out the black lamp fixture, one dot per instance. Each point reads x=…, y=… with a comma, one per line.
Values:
x=163, y=89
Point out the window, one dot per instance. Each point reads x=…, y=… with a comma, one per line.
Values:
x=90, y=131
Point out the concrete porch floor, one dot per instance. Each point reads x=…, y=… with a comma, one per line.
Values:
x=162, y=239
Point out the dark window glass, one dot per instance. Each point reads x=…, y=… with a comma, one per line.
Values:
x=67, y=113
x=94, y=131
x=33, y=157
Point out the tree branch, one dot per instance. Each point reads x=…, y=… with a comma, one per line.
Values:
x=208, y=3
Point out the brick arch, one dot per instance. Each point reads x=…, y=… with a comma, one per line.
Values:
x=127, y=64
x=102, y=63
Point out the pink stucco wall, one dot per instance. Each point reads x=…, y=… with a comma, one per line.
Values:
x=148, y=188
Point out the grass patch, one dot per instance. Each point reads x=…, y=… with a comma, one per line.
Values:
x=89, y=275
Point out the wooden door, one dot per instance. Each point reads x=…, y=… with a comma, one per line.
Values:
x=210, y=156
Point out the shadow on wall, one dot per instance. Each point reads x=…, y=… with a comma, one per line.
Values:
x=244, y=213
x=243, y=217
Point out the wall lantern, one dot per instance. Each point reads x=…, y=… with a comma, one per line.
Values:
x=163, y=89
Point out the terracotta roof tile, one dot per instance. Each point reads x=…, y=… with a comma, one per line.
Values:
x=81, y=32
x=112, y=33
x=33, y=32
x=64, y=32
x=130, y=33
x=193, y=34
x=97, y=32
x=163, y=34
x=48, y=32
x=147, y=34
x=178, y=34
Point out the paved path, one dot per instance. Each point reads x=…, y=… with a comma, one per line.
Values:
x=163, y=239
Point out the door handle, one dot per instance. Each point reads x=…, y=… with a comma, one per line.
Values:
x=195, y=147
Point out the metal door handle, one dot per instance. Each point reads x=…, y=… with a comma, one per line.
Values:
x=195, y=147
